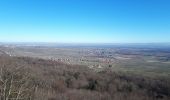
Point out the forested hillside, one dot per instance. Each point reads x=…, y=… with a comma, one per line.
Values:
x=23, y=78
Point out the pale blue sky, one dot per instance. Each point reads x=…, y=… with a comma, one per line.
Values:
x=85, y=21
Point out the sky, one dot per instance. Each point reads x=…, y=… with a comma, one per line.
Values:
x=85, y=21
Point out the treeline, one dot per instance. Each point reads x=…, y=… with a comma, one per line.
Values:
x=23, y=78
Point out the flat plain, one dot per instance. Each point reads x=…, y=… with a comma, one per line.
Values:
x=143, y=59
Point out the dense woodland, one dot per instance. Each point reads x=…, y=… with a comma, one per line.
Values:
x=24, y=78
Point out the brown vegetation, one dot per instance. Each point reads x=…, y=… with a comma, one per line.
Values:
x=23, y=78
